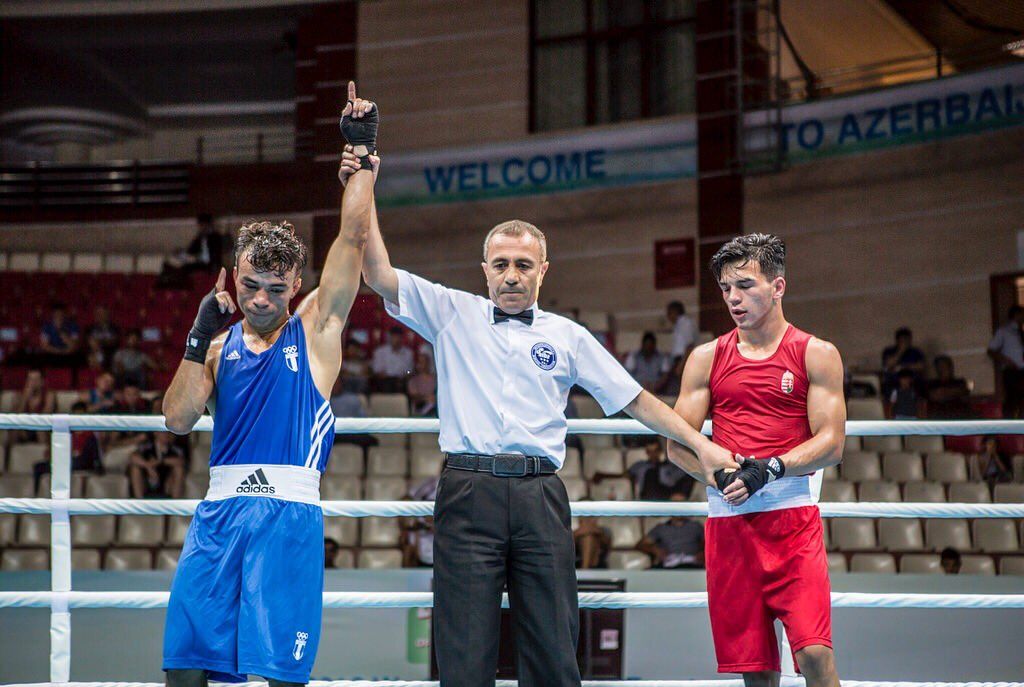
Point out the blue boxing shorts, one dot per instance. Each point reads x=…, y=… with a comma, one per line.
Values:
x=247, y=595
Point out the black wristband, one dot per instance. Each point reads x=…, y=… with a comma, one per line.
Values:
x=196, y=346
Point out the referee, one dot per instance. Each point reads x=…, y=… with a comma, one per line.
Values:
x=501, y=515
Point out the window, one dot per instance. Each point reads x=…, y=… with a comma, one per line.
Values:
x=599, y=61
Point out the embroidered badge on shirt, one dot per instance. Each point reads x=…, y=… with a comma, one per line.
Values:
x=544, y=356
x=787, y=382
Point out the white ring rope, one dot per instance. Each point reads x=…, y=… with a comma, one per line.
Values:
x=784, y=682
x=387, y=509
x=401, y=425
x=147, y=600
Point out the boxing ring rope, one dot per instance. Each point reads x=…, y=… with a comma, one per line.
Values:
x=61, y=599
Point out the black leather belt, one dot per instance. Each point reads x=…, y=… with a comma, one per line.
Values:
x=501, y=465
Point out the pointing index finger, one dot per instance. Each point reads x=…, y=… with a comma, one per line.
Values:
x=220, y=279
x=351, y=90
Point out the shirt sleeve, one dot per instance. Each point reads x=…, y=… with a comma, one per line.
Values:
x=600, y=373
x=996, y=344
x=423, y=306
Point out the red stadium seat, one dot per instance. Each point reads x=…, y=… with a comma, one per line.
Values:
x=13, y=377
x=60, y=378
x=968, y=444
x=1011, y=443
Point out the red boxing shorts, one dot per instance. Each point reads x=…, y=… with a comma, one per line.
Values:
x=763, y=566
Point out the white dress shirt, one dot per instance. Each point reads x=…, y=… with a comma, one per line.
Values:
x=1007, y=340
x=502, y=388
x=389, y=362
x=684, y=335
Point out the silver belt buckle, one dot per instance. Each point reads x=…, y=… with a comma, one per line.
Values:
x=508, y=465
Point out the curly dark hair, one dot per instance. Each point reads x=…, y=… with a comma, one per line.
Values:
x=767, y=250
x=271, y=247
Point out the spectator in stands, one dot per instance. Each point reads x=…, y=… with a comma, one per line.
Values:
x=104, y=331
x=95, y=357
x=392, y=364
x=101, y=398
x=423, y=388
x=1007, y=352
x=130, y=365
x=35, y=398
x=677, y=543
x=904, y=401
x=592, y=543
x=648, y=365
x=85, y=452
x=991, y=465
x=902, y=355
x=684, y=330
x=331, y=549
x=947, y=394
x=157, y=468
x=129, y=402
x=418, y=533
x=657, y=479
x=346, y=402
x=205, y=253
x=950, y=561
x=355, y=367
x=59, y=336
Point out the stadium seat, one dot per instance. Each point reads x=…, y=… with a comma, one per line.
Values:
x=16, y=487
x=977, y=565
x=55, y=262
x=830, y=473
x=902, y=466
x=967, y=444
x=924, y=492
x=1009, y=493
x=423, y=440
x=575, y=487
x=9, y=400
x=835, y=492
x=921, y=564
x=858, y=467
x=870, y=380
x=946, y=467
x=177, y=529
x=865, y=409
x=854, y=534
x=836, y=563
x=572, y=466
x=196, y=485
x=389, y=405
x=594, y=442
x=612, y=490
x=931, y=443
x=92, y=530
x=1018, y=468
x=34, y=530
x=128, y=559
x=345, y=531
x=628, y=560
x=149, y=263
x=8, y=528
x=118, y=263
x=200, y=463
x=385, y=488
x=115, y=460
x=699, y=494
x=140, y=530
x=969, y=492
x=633, y=456
x=379, y=559
x=872, y=563
x=167, y=559
x=1011, y=565
x=23, y=262
x=594, y=320
x=77, y=486
x=1011, y=443
x=852, y=444
x=345, y=559
x=606, y=460
x=625, y=532
x=390, y=461
x=886, y=444
x=941, y=533
x=91, y=263
x=85, y=559
x=25, y=559
x=106, y=487
x=899, y=534
x=426, y=462
x=346, y=459
x=66, y=399
x=202, y=439
x=996, y=535
x=879, y=491
x=587, y=407
x=23, y=456
x=340, y=488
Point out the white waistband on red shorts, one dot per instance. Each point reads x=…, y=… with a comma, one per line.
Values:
x=788, y=492
x=286, y=482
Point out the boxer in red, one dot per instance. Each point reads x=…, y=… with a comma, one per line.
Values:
x=775, y=398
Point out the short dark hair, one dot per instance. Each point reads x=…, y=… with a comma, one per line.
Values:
x=939, y=359
x=79, y=407
x=649, y=336
x=1014, y=311
x=271, y=247
x=396, y=330
x=904, y=331
x=950, y=553
x=677, y=306
x=767, y=250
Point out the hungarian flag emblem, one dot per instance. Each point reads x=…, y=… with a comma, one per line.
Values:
x=787, y=382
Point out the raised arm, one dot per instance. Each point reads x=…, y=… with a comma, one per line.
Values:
x=377, y=270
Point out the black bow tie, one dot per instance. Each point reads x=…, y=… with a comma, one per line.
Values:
x=526, y=316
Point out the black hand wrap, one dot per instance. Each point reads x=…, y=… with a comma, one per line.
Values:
x=757, y=473
x=209, y=321
x=724, y=478
x=361, y=134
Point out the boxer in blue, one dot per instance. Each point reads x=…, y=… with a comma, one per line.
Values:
x=247, y=594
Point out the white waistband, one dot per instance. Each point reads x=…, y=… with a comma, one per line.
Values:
x=788, y=492
x=286, y=482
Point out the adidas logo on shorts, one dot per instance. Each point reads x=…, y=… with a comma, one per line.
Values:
x=256, y=483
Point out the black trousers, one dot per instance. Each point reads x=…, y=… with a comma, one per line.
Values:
x=1013, y=393
x=492, y=531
